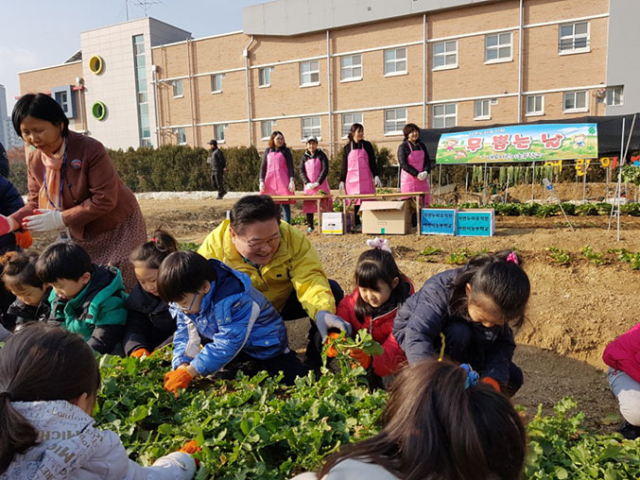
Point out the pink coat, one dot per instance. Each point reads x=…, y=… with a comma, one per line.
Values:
x=313, y=167
x=409, y=183
x=624, y=353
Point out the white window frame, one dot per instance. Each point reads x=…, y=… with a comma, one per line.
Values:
x=215, y=76
x=483, y=115
x=575, y=109
x=573, y=38
x=444, y=116
x=344, y=69
x=178, y=88
x=264, y=77
x=220, y=132
x=306, y=78
x=180, y=132
x=445, y=54
x=498, y=47
x=263, y=124
x=399, y=121
x=395, y=61
x=534, y=112
x=353, y=120
x=610, y=96
x=311, y=127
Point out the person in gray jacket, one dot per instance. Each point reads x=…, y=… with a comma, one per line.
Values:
x=218, y=166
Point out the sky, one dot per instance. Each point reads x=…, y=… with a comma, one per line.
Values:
x=41, y=33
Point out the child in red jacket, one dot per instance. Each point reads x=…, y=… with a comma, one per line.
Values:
x=381, y=290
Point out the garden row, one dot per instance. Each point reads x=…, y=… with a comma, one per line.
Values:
x=544, y=210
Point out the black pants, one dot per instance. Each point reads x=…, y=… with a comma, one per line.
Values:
x=293, y=310
x=310, y=220
x=218, y=184
x=461, y=346
x=288, y=363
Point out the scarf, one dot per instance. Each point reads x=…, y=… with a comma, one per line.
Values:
x=49, y=195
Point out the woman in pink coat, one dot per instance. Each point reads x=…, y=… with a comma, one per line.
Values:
x=314, y=170
x=276, y=172
x=623, y=358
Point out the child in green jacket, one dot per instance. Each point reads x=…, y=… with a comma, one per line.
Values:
x=86, y=298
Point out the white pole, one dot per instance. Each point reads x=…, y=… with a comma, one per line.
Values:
x=624, y=153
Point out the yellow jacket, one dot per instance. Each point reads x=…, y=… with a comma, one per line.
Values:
x=294, y=266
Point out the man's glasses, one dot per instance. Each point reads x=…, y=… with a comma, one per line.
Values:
x=272, y=242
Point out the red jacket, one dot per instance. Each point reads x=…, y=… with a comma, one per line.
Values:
x=380, y=328
x=624, y=353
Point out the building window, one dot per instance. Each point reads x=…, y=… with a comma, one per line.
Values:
x=394, y=121
x=140, y=66
x=395, y=61
x=311, y=127
x=309, y=73
x=351, y=68
x=264, y=77
x=445, y=116
x=266, y=128
x=573, y=38
x=482, y=110
x=178, y=88
x=181, y=135
x=535, y=105
x=575, y=102
x=445, y=55
x=216, y=83
x=218, y=132
x=614, y=97
x=497, y=48
x=349, y=119
x=65, y=96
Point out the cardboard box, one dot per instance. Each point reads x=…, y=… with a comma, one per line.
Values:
x=384, y=218
x=336, y=223
x=438, y=221
x=476, y=223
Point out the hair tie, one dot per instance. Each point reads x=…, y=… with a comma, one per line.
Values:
x=379, y=244
x=472, y=376
x=152, y=239
x=513, y=258
x=6, y=394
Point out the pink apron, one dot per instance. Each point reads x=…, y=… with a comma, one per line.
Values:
x=409, y=183
x=276, y=180
x=359, y=178
x=313, y=167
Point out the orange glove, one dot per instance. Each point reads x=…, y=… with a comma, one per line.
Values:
x=190, y=447
x=332, y=352
x=361, y=357
x=176, y=379
x=492, y=382
x=23, y=239
x=140, y=352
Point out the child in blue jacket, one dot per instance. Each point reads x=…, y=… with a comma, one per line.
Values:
x=220, y=318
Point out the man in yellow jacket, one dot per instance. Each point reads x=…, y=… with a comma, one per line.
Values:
x=282, y=264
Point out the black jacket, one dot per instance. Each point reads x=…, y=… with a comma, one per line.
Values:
x=404, y=150
x=356, y=146
x=149, y=323
x=29, y=313
x=324, y=171
x=287, y=156
x=10, y=202
x=4, y=162
x=423, y=316
x=217, y=160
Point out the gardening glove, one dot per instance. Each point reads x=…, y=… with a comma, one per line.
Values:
x=422, y=175
x=140, y=352
x=23, y=239
x=182, y=460
x=332, y=352
x=45, y=221
x=377, y=182
x=261, y=187
x=292, y=185
x=176, y=379
x=361, y=357
x=308, y=186
x=492, y=382
x=341, y=187
x=7, y=224
x=326, y=321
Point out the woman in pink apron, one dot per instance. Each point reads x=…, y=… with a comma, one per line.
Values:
x=359, y=171
x=415, y=163
x=314, y=169
x=276, y=172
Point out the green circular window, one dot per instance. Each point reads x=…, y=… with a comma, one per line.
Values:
x=96, y=64
x=99, y=110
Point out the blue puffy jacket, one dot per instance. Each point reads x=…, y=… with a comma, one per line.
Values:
x=423, y=316
x=222, y=322
x=10, y=202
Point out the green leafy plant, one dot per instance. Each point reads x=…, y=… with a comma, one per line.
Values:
x=559, y=256
x=458, y=257
x=188, y=246
x=594, y=257
x=430, y=251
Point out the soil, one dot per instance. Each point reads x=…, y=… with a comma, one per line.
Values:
x=574, y=312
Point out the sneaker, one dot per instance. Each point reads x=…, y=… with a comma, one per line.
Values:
x=628, y=431
x=357, y=228
x=309, y=229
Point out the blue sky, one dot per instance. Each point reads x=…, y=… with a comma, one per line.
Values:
x=40, y=33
